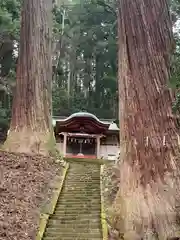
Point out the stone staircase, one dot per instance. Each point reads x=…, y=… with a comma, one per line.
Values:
x=77, y=214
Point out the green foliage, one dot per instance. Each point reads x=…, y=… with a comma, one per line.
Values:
x=10, y=18
x=85, y=53
x=4, y=117
x=175, y=64
x=175, y=76
x=87, y=68
x=9, y=36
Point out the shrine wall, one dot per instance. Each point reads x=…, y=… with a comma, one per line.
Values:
x=109, y=149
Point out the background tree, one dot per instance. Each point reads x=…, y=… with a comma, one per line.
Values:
x=9, y=37
x=87, y=68
x=86, y=34
x=149, y=181
x=31, y=126
x=84, y=27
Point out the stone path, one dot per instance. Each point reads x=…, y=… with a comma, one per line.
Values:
x=78, y=212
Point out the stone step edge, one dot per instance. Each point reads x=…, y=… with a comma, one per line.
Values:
x=45, y=216
x=104, y=224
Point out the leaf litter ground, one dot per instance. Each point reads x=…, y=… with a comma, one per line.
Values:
x=24, y=185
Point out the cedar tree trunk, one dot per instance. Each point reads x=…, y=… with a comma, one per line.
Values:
x=31, y=125
x=149, y=189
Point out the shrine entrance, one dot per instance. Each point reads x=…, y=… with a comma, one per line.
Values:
x=78, y=136
x=81, y=147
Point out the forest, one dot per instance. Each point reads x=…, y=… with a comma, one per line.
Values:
x=117, y=60
x=84, y=57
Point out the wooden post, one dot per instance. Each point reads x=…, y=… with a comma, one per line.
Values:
x=65, y=144
x=98, y=147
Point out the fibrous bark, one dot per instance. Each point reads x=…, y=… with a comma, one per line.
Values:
x=31, y=124
x=148, y=196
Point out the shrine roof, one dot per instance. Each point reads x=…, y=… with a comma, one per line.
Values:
x=80, y=114
x=105, y=123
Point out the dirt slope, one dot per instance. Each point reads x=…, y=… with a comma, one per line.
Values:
x=24, y=185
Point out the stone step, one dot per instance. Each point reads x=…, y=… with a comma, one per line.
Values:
x=74, y=224
x=70, y=238
x=79, y=202
x=72, y=228
x=64, y=220
x=66, y=226
x=75, y=194
x=72, y=234
x=82, y=186
x=89, y=181
x=71, y=196
x=90, y=173
x=57, y=221
x=80, y=221
x=83, y=177
x=79, y=194
x=76, y=208
x=83, y=181
x=79, y=198
x=87, y=176
x=72, y=213
x=67, y=229
x=84, y=174
x=79, y=228
x=71, y=192
x=86, y=200
x=80, y=189
x=86, y=166
x=77, y=214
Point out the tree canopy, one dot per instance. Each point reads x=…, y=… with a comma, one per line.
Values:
x=84, y=57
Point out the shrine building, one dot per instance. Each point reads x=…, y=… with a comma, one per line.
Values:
x=83, y=135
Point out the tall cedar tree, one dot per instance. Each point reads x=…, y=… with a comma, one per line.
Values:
x=149, y=189
x=31, y=125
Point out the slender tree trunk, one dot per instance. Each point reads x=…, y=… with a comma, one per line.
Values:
x=31, y=125
x=149, y=190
